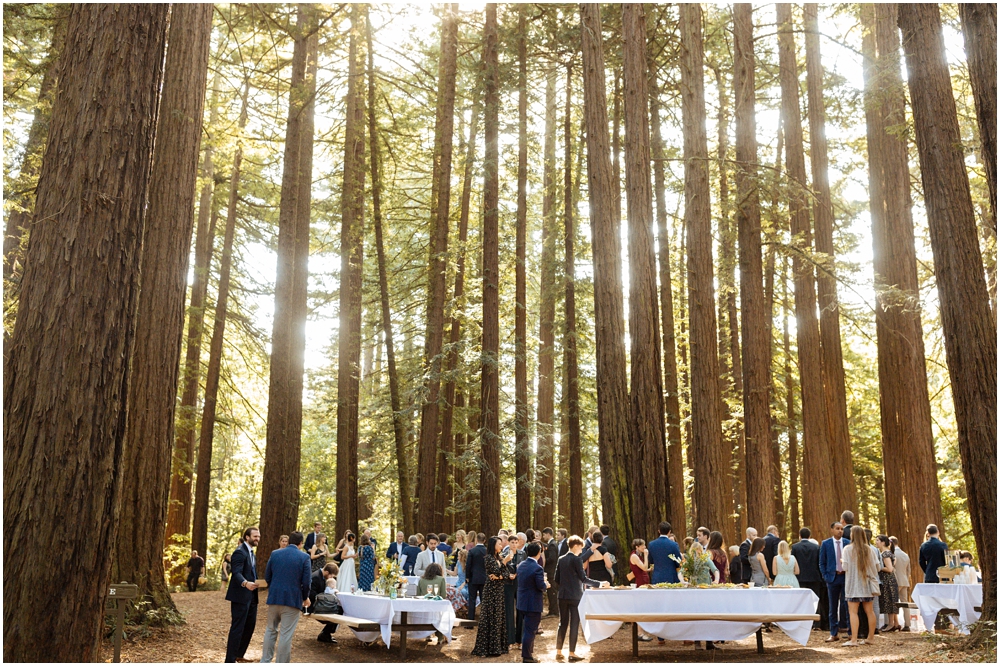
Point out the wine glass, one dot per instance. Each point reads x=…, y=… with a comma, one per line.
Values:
x=434, y=590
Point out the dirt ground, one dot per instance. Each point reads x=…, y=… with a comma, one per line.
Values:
x=203, y=639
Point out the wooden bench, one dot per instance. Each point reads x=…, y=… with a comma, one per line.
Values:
x=403, y=627
x=636, y=618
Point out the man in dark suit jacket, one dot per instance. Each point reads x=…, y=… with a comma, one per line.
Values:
x=745, y=555
x=318, y=586
x=242, y=595
x=806, y=554
x=551, y=559
x=311, y=537
x=563, y=546
x=288, y=579
x=771, y=541
x=831, y=565
x=933, y=554
x=396, y=547
x=531, y=587
x=475, y=573
x=660, y=551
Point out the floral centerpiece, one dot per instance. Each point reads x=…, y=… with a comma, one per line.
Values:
x=697, y=567
x=390, y=577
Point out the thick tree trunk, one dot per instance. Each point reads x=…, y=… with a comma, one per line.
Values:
x=712, y=506
x=438, y=269
x=979, y=27
x=279, y=507
x=160, y=312
x=969, y=323
x=756, y=311
x=819, y=498
x=907, y=438
x=612, y=387
x=829, y=319
x=182, y=463
x=398, y=420
x=351, y=262
x=675, y=452
x=574, y=507
x=646, y=389
x=489, y=473
x=545, y=461
x=68, y=367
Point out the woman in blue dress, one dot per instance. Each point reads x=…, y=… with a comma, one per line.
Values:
x=459, y=594
x=366, y=564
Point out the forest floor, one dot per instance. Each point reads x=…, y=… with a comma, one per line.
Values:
x=203, y=639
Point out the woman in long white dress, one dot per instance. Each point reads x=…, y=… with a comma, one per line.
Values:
x=347, y=579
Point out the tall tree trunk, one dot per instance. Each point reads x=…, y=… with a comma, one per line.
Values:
x=489, y=473
x=182, y=468
x=160, y=312
x=776, y=224
x=203, y=478
x=352, y=237
x=829, y=319
x=907, y=438
x=398, y=420
x=68, y=367
x=545, y=461
x=979, y=27
x=646, y=389
x=793, y=440
x=675, y=452
x=438, y=269
x=969, y=323
x=712, y=508
x=574, y=513
x=612, y=388
x=818, y=500
x=279, y=507
x=756, y=311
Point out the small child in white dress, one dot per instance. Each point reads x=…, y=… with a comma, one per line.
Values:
x=331, y=585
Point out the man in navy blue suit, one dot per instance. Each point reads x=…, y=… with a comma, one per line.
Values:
x=660, y=551
x=396, y=547
x=242, y=595
x=933, y=554
x=831, y=565
x=289, y=577
x=475, y=573
x=531, y=586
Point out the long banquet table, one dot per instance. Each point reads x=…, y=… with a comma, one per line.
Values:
x=765, y=601
x=933, y=597
x=386, y=612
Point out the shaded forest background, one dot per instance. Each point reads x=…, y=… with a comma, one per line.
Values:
x=414, y=154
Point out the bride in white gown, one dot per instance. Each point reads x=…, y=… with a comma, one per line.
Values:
x=347, y=579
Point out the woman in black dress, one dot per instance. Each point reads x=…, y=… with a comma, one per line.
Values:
x=491, y=637
x=599, y=565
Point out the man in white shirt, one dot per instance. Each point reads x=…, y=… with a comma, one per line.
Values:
x=430, y=556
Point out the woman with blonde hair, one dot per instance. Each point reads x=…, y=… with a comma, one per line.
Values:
x=861, y=583
x=785, y=566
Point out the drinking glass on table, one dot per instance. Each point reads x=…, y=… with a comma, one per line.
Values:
x=434, y=590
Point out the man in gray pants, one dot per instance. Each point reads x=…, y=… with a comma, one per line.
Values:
x=288, y=577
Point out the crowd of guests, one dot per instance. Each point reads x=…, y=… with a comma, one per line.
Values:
x=507, y=580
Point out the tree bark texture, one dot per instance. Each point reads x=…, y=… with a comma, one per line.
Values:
x=712, y=505
x=160, y=312
x=818, y=497
x=352, y=236
x=979, y=27
x=649, y=450
x=829, y=318
x=612, y=388
x=793, y=434
x=438, y=268
x=64, y=429
x=489, y=471
x=279, y=507
x=969, y=323
x=545, y=442
x=182, y=463
x=674, y=474
x=756, y=311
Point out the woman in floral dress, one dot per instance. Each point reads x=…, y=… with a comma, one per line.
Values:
x=491, y=637
x=366, y=564
x=888, y=603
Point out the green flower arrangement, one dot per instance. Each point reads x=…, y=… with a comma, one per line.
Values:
x=697, y=568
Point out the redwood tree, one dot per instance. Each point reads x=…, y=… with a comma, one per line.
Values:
x=970, y=329
x=979, y=27
x=68, y=367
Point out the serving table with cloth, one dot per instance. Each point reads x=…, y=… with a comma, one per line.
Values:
x=698, y=614
x=392, y=614
x=933, y=597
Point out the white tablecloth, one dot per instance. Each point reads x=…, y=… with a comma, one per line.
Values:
x=385, y=612
x=723, y=600
x=932, y=597
x=411, y=585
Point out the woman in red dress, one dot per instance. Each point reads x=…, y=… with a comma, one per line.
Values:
x=718, y=554
x=639, y=563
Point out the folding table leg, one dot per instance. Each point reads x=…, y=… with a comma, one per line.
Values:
x=402, y=636
x=760, y=640
x=635, y=640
